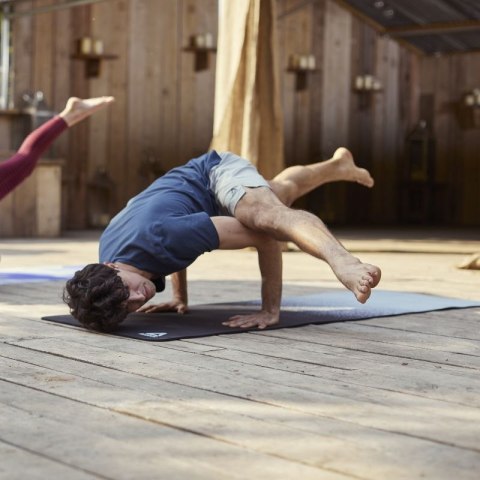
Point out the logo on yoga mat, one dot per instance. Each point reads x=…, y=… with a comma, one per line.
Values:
x=153, y=334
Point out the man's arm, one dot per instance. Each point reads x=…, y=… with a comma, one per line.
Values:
x=179, y=302
x=234, y=235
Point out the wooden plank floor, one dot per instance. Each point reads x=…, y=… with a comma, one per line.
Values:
x=388, y=398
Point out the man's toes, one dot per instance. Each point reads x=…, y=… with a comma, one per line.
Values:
x=364, y=295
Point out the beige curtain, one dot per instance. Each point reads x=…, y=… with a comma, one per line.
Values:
x=248, y=119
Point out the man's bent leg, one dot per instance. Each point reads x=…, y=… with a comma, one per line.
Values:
x=296, y=181
x=261, y=210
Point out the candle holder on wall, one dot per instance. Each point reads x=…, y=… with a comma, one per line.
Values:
x=202, y=46
x=469, y=109
x=472, y=99
x=301, y=66
x=91, y=51
x=366, y=86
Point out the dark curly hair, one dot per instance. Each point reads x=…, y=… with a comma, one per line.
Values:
x=97, y=297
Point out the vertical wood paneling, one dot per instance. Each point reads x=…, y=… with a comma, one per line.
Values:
x=135, y=94
x=447, y=79
x=470, y=158
x=164, y=109
x=61, y=85
x=43, y=41
x=195, y=122
x=117, y=40
x=301, y=118
x=316, y=87
x=300, y=31
x=98, y=197
x=361, y=132
x=336, y=77
x=388, y=138
x=22, y=39
x=336, y=99
x=164, y=60
x=77, y=161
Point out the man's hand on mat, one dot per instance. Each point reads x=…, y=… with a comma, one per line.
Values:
x=261, y=320
x=172, y=306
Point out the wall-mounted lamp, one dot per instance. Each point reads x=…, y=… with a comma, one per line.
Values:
x=365, y=86
x=202, y=46
x=472, y=99
x=203, y=40
x=301, y=65
x=91, y=50
x=301, y=62
x=468, y=110
x=367, y=83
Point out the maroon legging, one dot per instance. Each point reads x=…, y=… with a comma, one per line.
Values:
x=17, y=168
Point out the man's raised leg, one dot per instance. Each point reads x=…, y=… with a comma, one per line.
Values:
x=295, y=182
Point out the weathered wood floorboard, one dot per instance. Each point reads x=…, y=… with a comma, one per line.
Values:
x=316, y=441
x=34, y=465
x=394, y=398
x=373, y=407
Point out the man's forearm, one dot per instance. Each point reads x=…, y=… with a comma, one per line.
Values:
x=270, y=263
x=179, y=286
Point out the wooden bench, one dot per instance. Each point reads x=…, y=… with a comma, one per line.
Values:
x=33, y=209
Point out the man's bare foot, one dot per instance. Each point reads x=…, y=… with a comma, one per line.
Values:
x=358, y=277
x=78, y=109
x=349, y=171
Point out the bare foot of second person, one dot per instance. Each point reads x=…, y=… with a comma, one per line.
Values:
x=78, y=109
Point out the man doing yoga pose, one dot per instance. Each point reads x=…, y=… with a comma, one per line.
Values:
x=216, y=201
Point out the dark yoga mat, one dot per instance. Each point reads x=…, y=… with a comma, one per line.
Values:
x=325, y=307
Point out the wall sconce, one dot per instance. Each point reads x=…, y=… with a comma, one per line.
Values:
x=301, y=66
x=202, y=46
x=472, y=99
x=367, y=84
x=468, y=110
x=91, y=51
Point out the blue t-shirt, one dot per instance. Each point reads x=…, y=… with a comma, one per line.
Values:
x=166, y=227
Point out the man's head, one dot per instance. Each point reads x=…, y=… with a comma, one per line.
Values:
x=101, y=295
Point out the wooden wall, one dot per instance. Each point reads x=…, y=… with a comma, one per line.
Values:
x=329, y=114
x=444, y=82
x=164, y=110
x=163, y=113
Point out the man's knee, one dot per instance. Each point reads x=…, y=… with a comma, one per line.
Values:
x=254, y=203
x=267, y=218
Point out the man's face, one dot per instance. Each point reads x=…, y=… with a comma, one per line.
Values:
x=141, y=289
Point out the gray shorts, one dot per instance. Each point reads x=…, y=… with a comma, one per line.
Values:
x=228, y=179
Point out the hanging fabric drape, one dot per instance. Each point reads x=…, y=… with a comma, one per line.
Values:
x=248, y=118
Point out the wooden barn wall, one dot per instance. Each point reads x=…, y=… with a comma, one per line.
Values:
x=444, y=82
x=163, y=114
x=328, y=113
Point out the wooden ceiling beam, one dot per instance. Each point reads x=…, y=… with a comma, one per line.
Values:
x=380, y=29
x=434, y=28
x=361, y=16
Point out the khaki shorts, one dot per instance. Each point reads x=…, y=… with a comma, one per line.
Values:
x=228, y=179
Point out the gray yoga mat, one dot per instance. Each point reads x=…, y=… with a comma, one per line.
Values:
x=325, y=307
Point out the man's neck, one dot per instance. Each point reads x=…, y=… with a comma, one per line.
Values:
x=131, y=268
